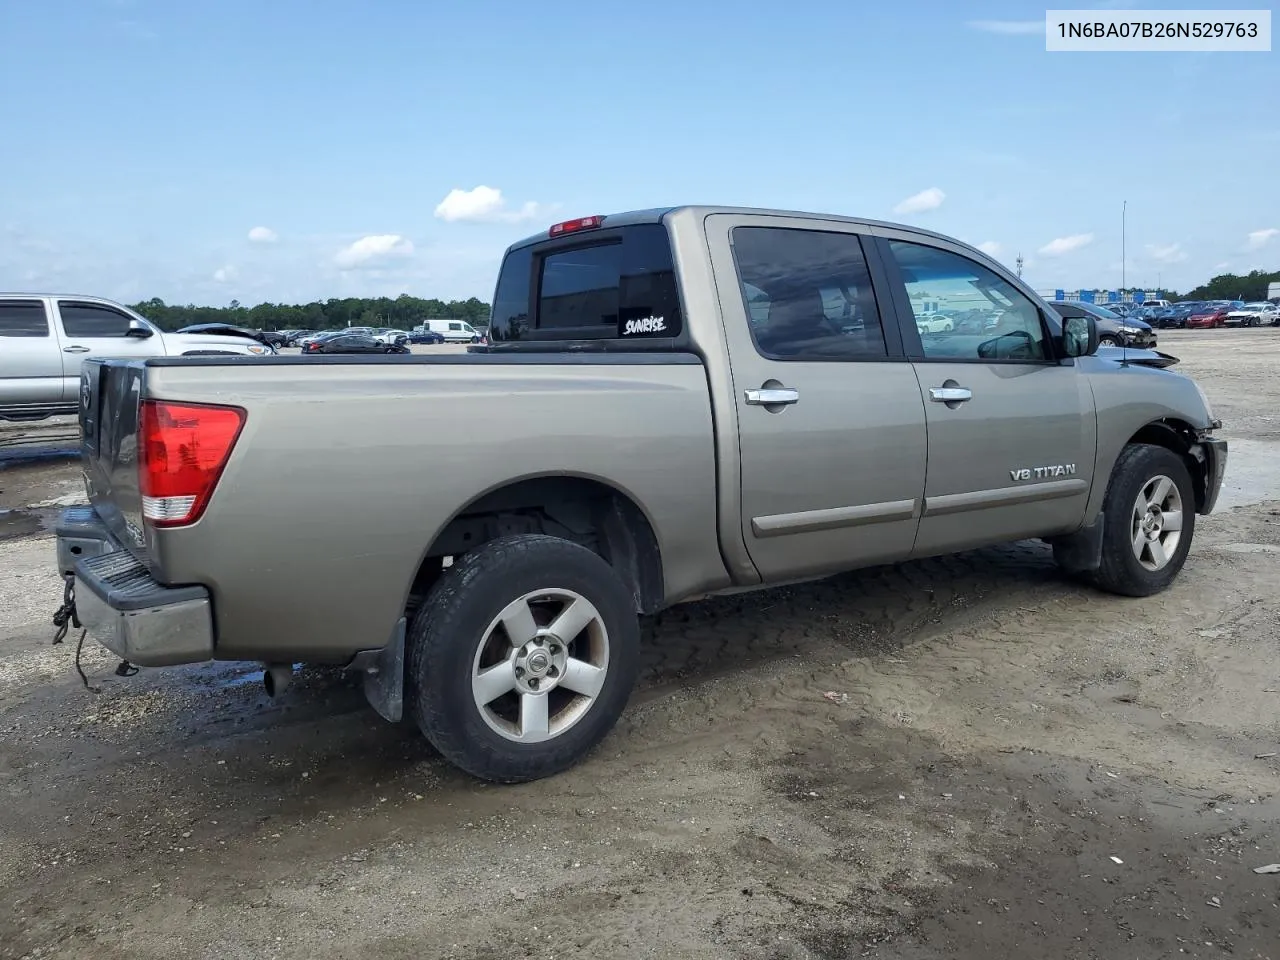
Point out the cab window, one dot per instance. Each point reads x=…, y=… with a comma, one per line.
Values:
x=23, y=318
x=92, y=320
x=965, y=311
x=808, y=294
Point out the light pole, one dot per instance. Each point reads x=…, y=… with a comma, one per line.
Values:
x=1124, y=209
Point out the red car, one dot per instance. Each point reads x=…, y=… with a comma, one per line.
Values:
x=1212, y=316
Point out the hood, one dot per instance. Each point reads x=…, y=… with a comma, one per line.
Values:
x=233, y=343
x=1145, y=358
x=224, y=330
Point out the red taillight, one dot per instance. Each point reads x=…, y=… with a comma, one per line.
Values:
x=182, y=450
x=573, y=226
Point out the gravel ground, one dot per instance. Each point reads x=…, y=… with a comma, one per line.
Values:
x=1010, y=765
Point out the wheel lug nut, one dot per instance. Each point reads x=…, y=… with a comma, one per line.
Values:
x=533, y=683
x=519, y=671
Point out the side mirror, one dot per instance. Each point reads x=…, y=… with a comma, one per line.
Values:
x=1080, y=336
x=138, y=330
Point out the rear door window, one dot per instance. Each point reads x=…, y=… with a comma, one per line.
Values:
x=609, y=285
x=23, y=318
x=808, y=294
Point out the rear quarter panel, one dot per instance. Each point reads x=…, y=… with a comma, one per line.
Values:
x=345, y=473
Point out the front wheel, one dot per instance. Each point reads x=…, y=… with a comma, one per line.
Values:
x=1108, y=341
x=522, y=657
x=1149, y=521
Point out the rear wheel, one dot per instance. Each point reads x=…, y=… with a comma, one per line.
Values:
x=522, y=658
x=1149, y=521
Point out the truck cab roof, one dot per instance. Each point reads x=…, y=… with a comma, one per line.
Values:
x=658, y=214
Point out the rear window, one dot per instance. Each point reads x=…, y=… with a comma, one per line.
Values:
x=612, y=285
x=23, y=318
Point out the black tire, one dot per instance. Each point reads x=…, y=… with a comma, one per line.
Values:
x=1121, y=572
x=449, y=628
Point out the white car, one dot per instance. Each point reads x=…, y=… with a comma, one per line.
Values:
x=1254, y=315
x=934, y=323
x=44, y=339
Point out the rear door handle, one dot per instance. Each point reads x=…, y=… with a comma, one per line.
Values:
x=768, y=396
x=950, y=394
x=75, y=349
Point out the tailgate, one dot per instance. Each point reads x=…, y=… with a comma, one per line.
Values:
x=110, y=392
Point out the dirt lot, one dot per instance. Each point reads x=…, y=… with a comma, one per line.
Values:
x=1013, y=766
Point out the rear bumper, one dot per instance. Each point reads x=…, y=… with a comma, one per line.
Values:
x=1215, y=468
x=80, y=535
x=123, y=607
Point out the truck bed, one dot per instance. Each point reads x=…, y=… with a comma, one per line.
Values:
x=347, y=468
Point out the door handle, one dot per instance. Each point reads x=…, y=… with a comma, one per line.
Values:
x=950, y=394
x=768, y=396
x=75, y=349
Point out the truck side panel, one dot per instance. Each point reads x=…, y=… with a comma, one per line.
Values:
x=345, y=473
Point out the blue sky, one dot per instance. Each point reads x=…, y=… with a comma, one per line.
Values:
x=292, y=150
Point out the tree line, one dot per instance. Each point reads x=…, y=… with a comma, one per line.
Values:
x=1229, y=286
x=403, y=313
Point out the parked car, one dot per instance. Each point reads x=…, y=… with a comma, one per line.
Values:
x=1254, y=315
x=391, y=335
x=231, y=330
x=632, y=440
x=343, y=342
x=1212, y=314
x=934, y=323
x=1113, y=329
x=426, y=336
x=45, y=337
x=1177, y=315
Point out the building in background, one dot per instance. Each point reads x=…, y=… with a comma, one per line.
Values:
x=1104, y=296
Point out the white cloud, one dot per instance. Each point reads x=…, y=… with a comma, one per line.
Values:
x=1061, y=245
x=1008, y=27
x=483, y=205
x=263, y=235
x=368, y=250
x=990, y=248
x=1260, y=238
x=929, y=199
x=1217, y=267
x=225, y=274
x=1172, y=253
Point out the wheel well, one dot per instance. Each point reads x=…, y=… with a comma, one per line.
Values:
x=1182, y=439
x=578, y=509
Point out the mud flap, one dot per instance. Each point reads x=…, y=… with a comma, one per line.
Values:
x=1080, y=552
x=384, y=676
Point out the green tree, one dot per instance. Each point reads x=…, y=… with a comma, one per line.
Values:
x=1230, y=286
x=404, y=311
